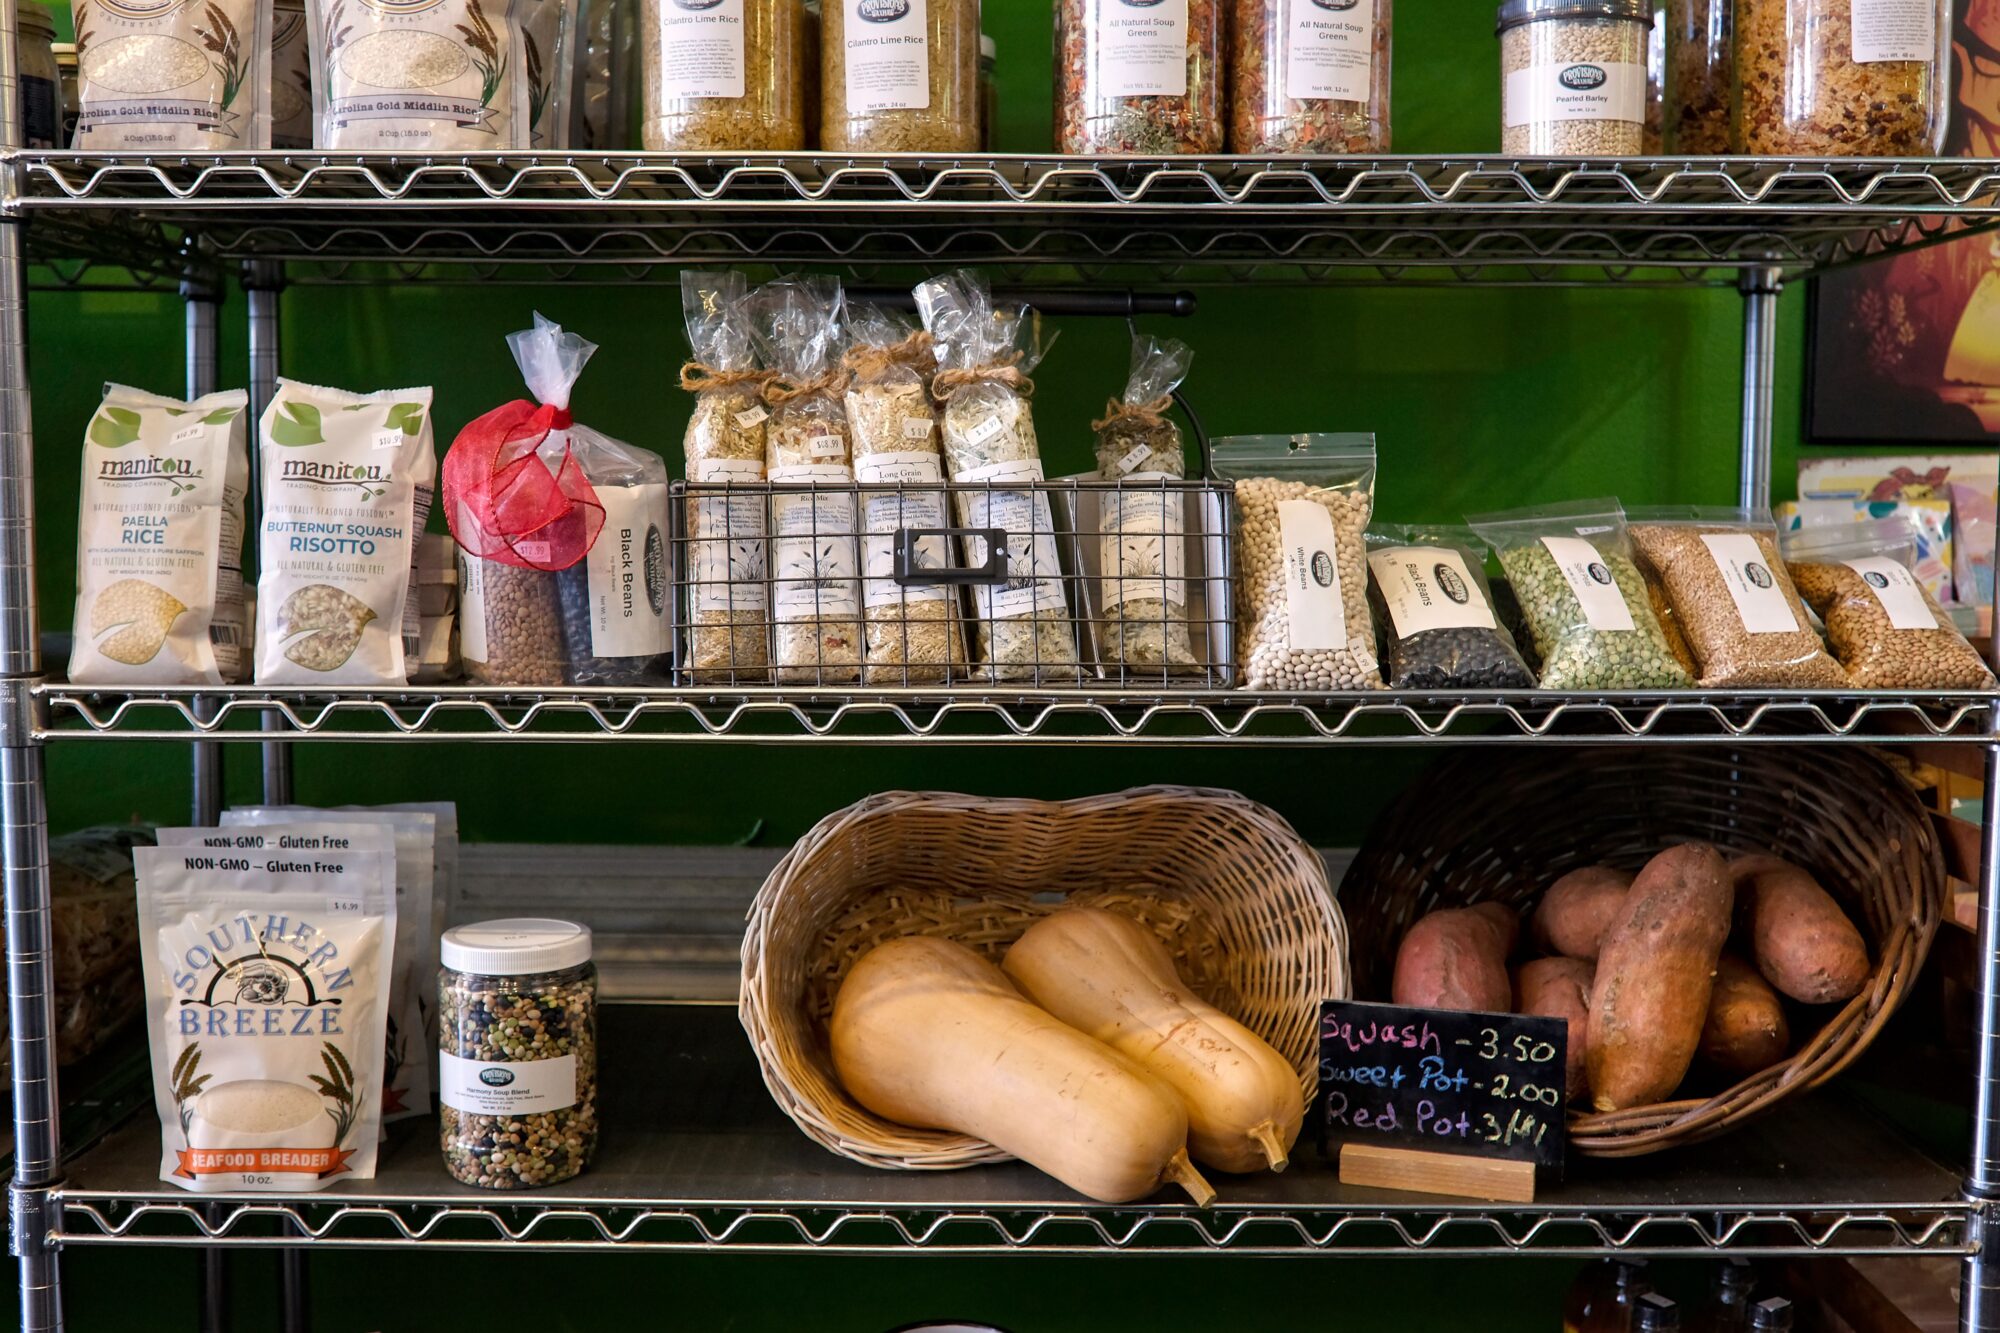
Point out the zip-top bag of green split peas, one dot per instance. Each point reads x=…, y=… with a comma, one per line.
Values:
x=1582, y=597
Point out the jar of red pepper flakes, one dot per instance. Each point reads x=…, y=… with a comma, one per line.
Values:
x=1140, y=77
x=1309, y=76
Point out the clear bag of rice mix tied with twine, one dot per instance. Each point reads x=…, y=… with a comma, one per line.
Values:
x=1142, y=529
x=985, y=353
x=1302, y=508
x=1582, y=596
x=912, y=631
x=815, y=551
x=1732, y=598
x=728, y=550
x=1885, y=627
x=1434, y=608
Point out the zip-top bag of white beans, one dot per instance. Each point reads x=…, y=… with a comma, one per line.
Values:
x=159, y=541
x=347, y=490
x=163, y=77
x=267, y=987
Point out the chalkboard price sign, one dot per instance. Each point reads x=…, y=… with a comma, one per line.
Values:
x=1440, y=1080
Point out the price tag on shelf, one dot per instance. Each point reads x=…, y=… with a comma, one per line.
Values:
x=1443, y=1081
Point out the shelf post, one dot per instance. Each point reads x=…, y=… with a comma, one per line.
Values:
x=203, y=301
x=263, y=279
x=1979, y=1290
x=24, y=833
x=1760, y=288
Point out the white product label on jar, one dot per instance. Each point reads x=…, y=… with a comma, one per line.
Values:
x=1331, y=50
x=1576, y=90
x=728, y=546
x=1760, y=602
x=471, y=607
x=628, y=573
x=1316, y=610
x=885, y=514
x=1142, y=48
x=1428, y=588
x=1583, y=568
x=813, y=547
x=1897, y=589
x=888, y=56
x=1034, y=574
x=701, y=48
x=506, y=1087
x=1140, y=545
x=1895, y=30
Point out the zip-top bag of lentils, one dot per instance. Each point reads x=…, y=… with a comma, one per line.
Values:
x=347, y=488
x=1302, y=509
x=1582, y=596
x=1884, y=626
x=1434, y=607
x=1732, y=599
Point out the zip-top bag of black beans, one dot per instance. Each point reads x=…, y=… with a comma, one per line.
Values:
x=1435, y=612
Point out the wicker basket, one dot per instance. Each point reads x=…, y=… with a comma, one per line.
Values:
x=1484, y=828
x=1242, y=903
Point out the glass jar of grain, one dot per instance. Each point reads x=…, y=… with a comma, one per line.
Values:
x=899, y=76
x=1701, y=75
x=1852, y=78
x=1309, y=80
x=1151, y=88
x=517, y=1052
x=724, y=78
x=1573, y=77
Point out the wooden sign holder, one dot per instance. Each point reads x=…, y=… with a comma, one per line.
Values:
x=1490, y=1178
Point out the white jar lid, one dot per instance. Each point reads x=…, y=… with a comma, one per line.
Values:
x=518, y=946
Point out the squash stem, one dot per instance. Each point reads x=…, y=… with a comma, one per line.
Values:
x=1180, y=1171
x=1265, y=1136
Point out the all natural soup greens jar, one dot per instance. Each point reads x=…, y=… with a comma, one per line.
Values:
x=517, y=1052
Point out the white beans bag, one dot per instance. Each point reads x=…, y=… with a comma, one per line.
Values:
x=159, y=542
x=267, y=989
x=347, y=484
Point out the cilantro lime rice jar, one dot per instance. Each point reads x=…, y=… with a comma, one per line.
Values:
x=517, y=1052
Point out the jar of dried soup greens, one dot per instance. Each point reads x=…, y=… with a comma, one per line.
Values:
x=1141, y=78
x=1854, y=78
x=517, y=1052
x=1701, y=75
x=899, y=76
x=1573, y=76
x=1309, y=78
x=724, y=78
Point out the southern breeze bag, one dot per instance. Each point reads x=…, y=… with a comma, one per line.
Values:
x=159, y=541
x=406, y=1064
x=267, y=987
x=347, y=489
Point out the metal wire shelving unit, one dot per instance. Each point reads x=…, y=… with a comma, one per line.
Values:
x=706, y=1164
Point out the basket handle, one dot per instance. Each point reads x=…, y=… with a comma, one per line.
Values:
x=991, y=574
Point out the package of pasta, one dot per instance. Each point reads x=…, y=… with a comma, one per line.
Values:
x=1732, y=599
x=1885, y=628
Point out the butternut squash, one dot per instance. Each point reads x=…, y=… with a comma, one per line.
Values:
x=1109, y=976
x=928, y=1033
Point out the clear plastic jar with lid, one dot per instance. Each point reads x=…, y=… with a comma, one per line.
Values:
x=1573, y=77
x=989, y=93
x=517, y=1052
x=1309, y=78
x=1150, y=89
x=1853, y=78
x=41, y=81
x=714, y=86
x=897, y=77
x=1701, y=75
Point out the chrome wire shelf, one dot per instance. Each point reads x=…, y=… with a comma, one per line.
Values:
x=700, y=1159
x=973, y=715
x=345, y=217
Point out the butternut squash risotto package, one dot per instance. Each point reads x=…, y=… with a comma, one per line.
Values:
x=159, y=546
x=347, y=486
x=266, y=958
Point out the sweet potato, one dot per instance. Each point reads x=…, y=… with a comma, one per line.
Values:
x=1802, y=942
x=1746, y=1029
x=1457, y=959
x=1576, y=911
x=1654, y=974
x=1560, y=988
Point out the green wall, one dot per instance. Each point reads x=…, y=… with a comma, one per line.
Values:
x=1479, y=398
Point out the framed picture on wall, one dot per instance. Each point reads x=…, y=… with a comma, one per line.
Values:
x=1907, y=351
